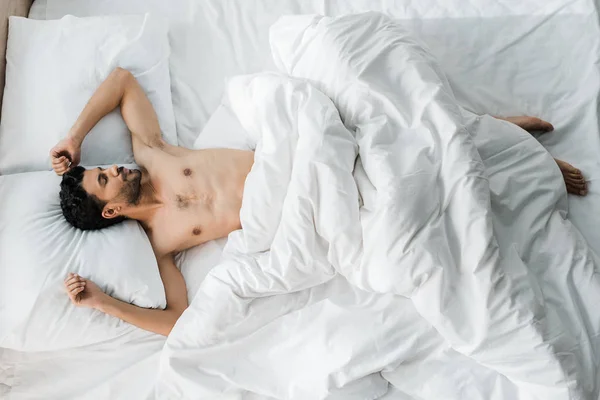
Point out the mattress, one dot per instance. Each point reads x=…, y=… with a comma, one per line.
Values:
x=502, y=58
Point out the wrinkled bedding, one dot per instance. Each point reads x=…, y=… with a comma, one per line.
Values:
x=391, y=229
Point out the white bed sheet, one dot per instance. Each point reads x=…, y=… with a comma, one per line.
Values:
x=120, y=369
x=117, y=369
x=509, y=57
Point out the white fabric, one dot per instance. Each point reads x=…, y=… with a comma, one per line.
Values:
x=94, y=371
x=196, y=262
x=53, y=68
x=424, y=230
x=38, y=248
x=108, y=370
x=224, y=130
x=503, y=58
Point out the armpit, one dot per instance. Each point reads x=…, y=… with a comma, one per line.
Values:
x=155, y=141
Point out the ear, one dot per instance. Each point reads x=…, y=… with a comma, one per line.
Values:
x=112, y=210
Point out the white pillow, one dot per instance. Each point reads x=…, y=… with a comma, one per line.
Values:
x=38, y=247
x=54, y=67
x=196, y=263
x=223, y=130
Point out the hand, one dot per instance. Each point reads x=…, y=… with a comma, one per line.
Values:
x=65, y=155
x=83, y=292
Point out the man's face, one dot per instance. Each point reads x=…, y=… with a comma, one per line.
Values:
x=114, y=184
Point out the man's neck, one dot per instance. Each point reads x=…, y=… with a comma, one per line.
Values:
x=148, y=204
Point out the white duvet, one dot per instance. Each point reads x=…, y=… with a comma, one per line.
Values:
x=402, y=236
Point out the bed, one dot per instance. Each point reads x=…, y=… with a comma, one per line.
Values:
x=502, y=59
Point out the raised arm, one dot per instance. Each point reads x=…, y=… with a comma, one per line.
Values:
x=119, y=89
x=85, y=293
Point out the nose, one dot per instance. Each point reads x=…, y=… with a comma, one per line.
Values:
x=114, y=170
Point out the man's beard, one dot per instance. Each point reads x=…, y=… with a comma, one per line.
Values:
x=132, y=189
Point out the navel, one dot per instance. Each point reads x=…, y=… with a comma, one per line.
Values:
x=187, y=172
x=196, y=231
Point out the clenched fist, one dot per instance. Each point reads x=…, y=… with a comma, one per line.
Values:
x=65, y=155
x=83, y=292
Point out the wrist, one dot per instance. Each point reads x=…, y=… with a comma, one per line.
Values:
x=75, y=137
x=102, y=302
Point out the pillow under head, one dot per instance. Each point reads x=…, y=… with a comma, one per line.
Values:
x=38, y=248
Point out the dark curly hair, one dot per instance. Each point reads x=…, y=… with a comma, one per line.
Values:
x=82, y=210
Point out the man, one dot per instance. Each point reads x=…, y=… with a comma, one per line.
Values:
x=181, y=197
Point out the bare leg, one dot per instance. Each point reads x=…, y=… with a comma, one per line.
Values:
x=573, y=177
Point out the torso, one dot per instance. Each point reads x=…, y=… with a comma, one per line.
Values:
x=201, y=192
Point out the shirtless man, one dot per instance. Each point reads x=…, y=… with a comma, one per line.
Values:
x=181, y=197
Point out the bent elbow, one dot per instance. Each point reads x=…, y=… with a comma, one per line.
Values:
x=166, y=331
x=177, y=312
x=173, y=316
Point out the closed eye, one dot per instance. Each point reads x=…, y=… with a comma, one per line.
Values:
x=102, y=179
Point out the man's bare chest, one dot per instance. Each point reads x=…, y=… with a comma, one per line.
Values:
x=201, y=197
x=185, y=212
x=177, y=230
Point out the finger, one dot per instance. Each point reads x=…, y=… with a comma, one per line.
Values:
x=72, y=286
x=72, y=296
x=76, y=284
x=72, y=275
x=61, y=165
x=76, y=291
x=58, y=160
x=60, y=170
x=73, y=278
x=70, y=280
x=73, y=293
x=74, y=300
